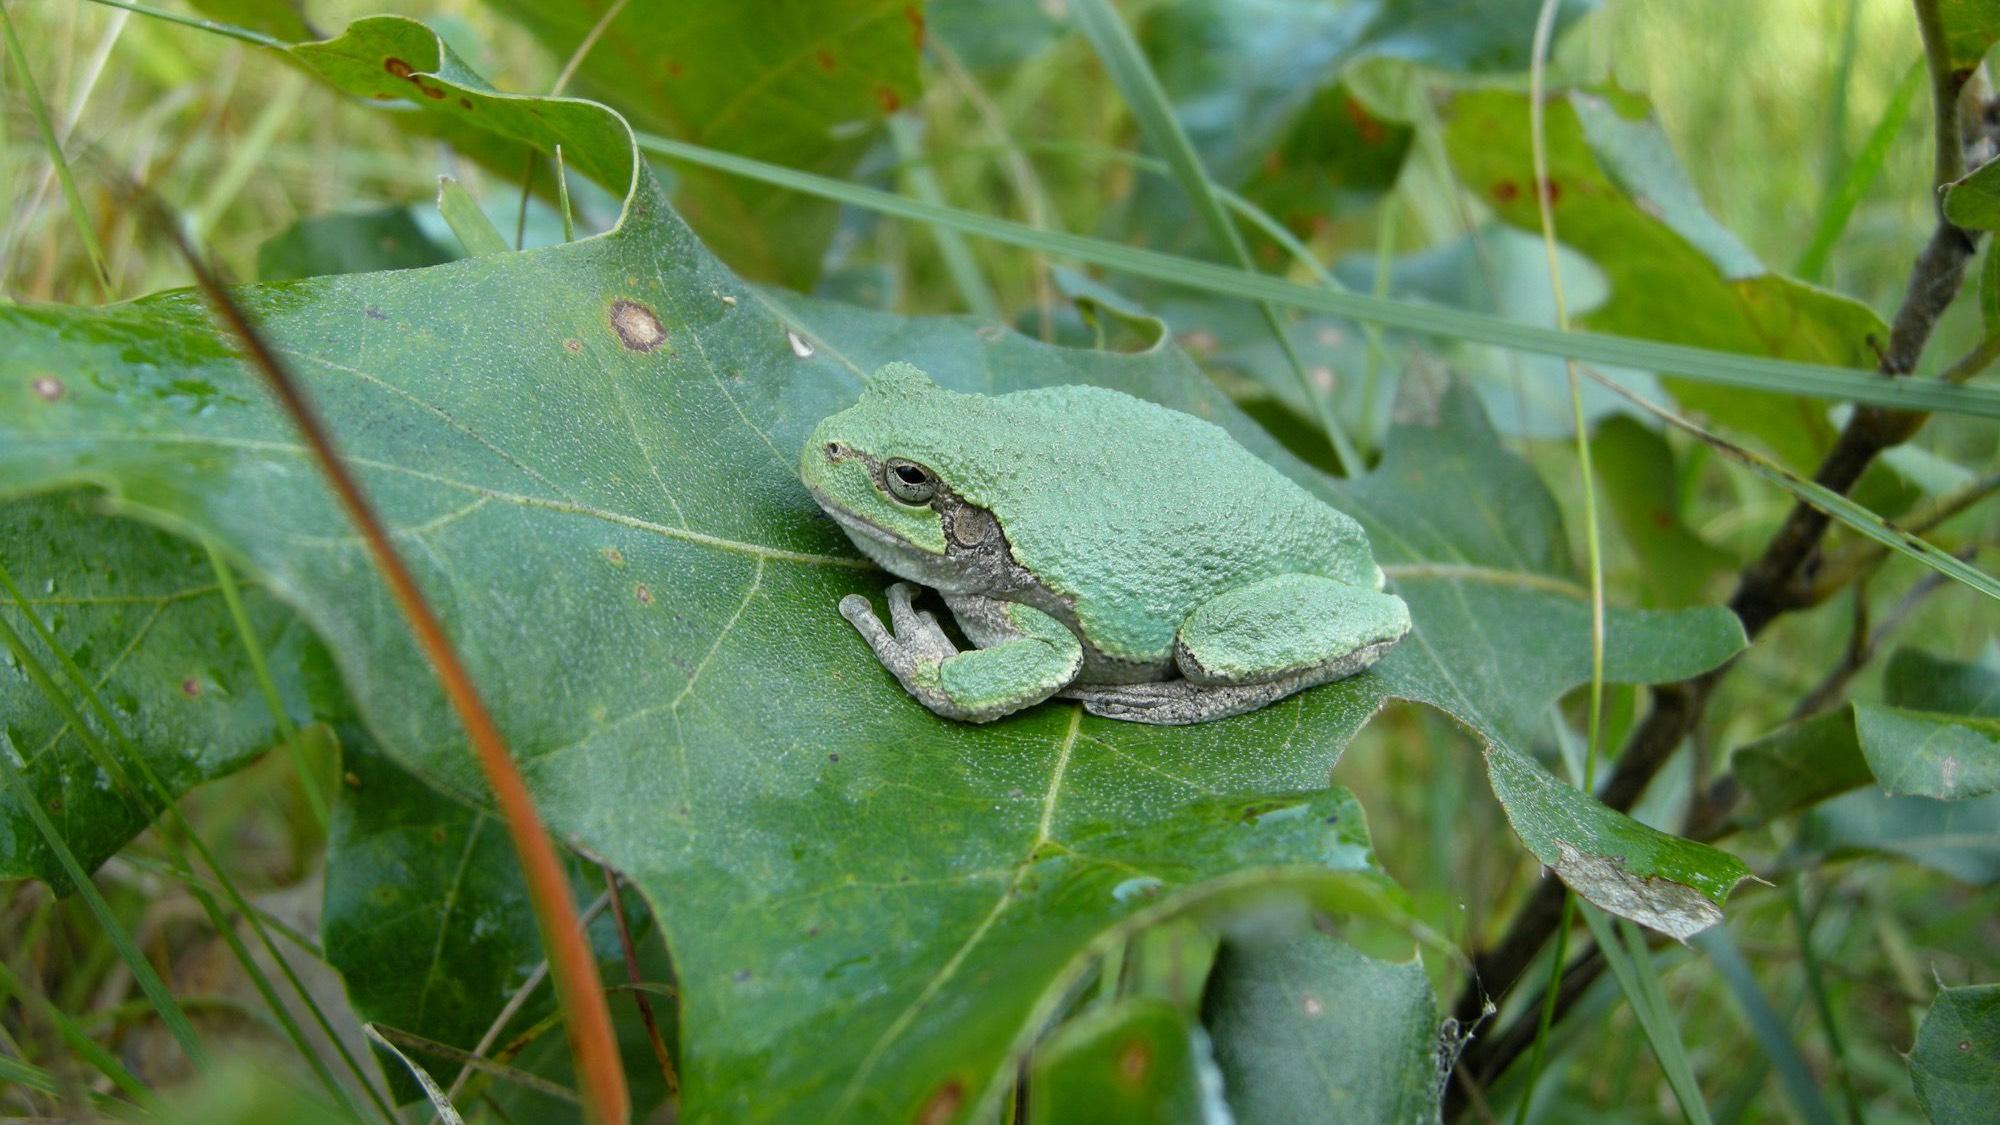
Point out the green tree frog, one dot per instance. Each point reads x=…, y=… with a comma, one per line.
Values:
x=1095, y=546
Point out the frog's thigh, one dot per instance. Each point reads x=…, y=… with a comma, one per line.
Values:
x=1291, y=627
x=980, y=684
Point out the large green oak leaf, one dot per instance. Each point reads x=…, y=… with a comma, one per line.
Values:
x=587, y=454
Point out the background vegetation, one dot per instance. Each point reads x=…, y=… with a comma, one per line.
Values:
x=1751, y=179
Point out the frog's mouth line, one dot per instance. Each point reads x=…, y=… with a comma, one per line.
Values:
x=855, y=523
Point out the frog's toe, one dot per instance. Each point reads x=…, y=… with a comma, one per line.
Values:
x=861, y=615
x=917, y=630
x=903, y=616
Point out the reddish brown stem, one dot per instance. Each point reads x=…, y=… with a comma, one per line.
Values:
x=587, y=1018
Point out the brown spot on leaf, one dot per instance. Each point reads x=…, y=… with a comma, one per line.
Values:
x=397, y=67
x=1662, y=519
x=644, y=593
x=915, y=15
x=638, y=327
x=48, y=388
x=943, y=1104
x=1552, y=191
x=465, y=103
x=675, y=69
x=573, y=345
x=890, y=99
x=1134, y=1060
x=1505, y=191
x=431, y=92
x=352, y=779
x=437, y=834
x=614, y=556
x=825, y=60
x=191, y=687
x=1273, y=160
x=833, y=757
x=1369, y=129
x=373, y=313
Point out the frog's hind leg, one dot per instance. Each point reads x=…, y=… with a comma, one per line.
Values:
x=1250, y=647
x=1288, y=626
x=1175, y=703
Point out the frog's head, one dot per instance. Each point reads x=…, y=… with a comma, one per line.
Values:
x=883, y=469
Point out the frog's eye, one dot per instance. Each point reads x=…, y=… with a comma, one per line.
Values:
x=908, y=481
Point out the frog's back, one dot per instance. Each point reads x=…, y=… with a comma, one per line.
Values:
x=1137, y=513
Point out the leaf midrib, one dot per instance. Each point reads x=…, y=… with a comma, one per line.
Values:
x=543, y=503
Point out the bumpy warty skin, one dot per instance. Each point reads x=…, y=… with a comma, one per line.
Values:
x=1134, y=512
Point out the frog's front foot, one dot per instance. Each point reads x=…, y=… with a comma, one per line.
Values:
x=917, y=638
x=975, y=686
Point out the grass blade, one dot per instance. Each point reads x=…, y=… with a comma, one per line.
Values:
x=213, y=27
x=474, y=230
x=85, y=1047
x=439, y=1102
x=12, y=767
x=1765, y=1025
x=1820, y=381
x=15, y=1072
x=247, y=637
x=1631, y=962
x=1701, y=364
x=498, y=1071
x=1822, y=1003
x=1538, y=69
x=1860, y=175
x=1141, y=90
x=1834, y=504
x=78, y=213
x=958, y=260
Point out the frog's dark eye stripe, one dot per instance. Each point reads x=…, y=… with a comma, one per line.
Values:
x=908, y=481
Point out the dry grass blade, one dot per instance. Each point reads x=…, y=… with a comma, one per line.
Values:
x=587, y=1016
x=639, y=997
